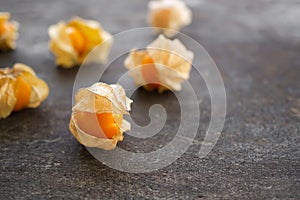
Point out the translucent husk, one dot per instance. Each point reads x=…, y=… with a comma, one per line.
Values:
x=100, y=98
x=8, y=78
x=165, y=15
x=172, y=61
x=61, y=45
x=8, y=37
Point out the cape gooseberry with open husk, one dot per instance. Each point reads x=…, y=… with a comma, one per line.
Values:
x=20, y=88
x=169, y=15
x=8, y=32
x=71, y=42
x=97, y=116
x=164, y=65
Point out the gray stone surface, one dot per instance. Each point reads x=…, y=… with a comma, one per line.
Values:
x=256, y=45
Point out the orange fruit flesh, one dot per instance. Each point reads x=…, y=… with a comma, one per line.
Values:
x=22, y=92
x=101, y=125
x=149, y=72
x=77, y=39
x=5, y=26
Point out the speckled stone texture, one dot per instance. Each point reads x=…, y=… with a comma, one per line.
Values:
x=256, y=45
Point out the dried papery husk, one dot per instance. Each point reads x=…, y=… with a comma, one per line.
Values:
x=100, y=98
x=169, y=15
x=8, y=79
x=7, y=95
x=66, y=54
x=171, y=59
x=9, y=35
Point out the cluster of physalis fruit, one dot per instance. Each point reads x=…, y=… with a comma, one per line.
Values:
x=97, y=116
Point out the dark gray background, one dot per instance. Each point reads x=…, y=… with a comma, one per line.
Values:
x=256, y=45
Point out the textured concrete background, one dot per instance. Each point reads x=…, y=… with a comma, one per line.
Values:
x=256, y=45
